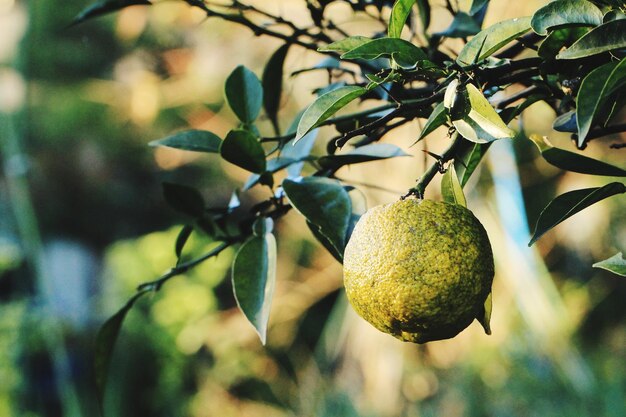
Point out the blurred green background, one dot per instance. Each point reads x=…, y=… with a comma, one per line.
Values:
x=82, y=223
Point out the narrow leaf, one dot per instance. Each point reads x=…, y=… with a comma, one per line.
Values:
x=105, y=343
x=604, y=38
x=451, y=190
x=273, y=84
x=105, y=7
x=437, y=118
x=325, y=106
x=323, y=202
x=559, y=39
x=468, y=159
x=423, y=8
x=253, y=279
x=615, y=264
x=244, y=94
x=191, y=140
x=570, y=203
x=298, y=150
x=181, y=240
x=574, y=162
x=484, y=318
x=595, y=91
x=346, y=44
x=183, y=199
x=372, y=152
x=565, y=13
x=399, y=13
x=403, y=52
x=488, y=41
x=241, y=148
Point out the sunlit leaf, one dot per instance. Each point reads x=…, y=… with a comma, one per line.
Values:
x=244, y=94
x=565, y=13
x=105, y=343
x=347, y=44
x=451, y=190
x=105, y=7
x=559, y=39
x=595, y=91
x=437, y=118
x=183, y=199
x=403, y=52
x=325, y=203
x=273, y=84
x=478, y=6
x=372, y=152
x=254, y=278
x=325, y=106
x=468, y=159
x=604, y=38
x=574, y=162
x=488, y=41
x=191, y=140
x=241, y=148
x=570, y=203
x=615, y=264
x=399, y=13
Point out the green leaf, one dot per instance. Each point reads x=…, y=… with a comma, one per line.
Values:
x=488, y=41
x=244, y=94
x=403, y=52
x=181, y=240
x=298, y=150
x=241, y=148
x=372, y=152
x=451, y=189
x=273, y=84
x=468, y=159
x=574, y=162
x=346, y=44
x=462, y=26
x=423, y=8
x=254, y=278
x=615, y=264
x=184, y=199
x=477, y=6
x=604, y=38
x=595, y=91
x=482, y=123
x=568, y=204
x=565, y=13
x=438, y=117
x=558, y=39
x=325, y=106
x=484, y=316
x=566, y=122
x=105, y=343
x=325, y=203
x=399, y=13
x=105, y=7
x=191, y=140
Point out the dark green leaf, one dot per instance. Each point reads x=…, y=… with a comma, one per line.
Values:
x=604, y=38
x=488, y=41
x=595, y=91
x=451, y=189
x=325, y=242
x=565, y=13
x=244, y=94
x=477, y=6
x=615, y=264
x=403, y=52
x=104, y=7
x=559, y=39
x=469, y=159
x=241, y=148
x=568, y=204
x=325, y=106
x=191, y=140
x=181, y=240
x=273, y=84
x=105, y=343
x=566, y=122
x=437, y=118
x=297, y=150
x=323, y=202
x=399, y=13
x=253, y=278
x=346, y=44
x=462, y=26
x=574, y=162
x=372, y=152
x=184, y=199
x=613, y=15
x=423, y=8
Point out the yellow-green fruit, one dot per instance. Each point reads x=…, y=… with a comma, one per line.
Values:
x=418, y=270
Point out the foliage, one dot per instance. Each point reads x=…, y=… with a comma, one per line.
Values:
x=569, y=55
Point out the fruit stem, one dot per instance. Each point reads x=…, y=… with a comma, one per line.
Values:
x=429, y=174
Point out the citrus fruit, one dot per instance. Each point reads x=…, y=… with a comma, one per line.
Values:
x=419, y=270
